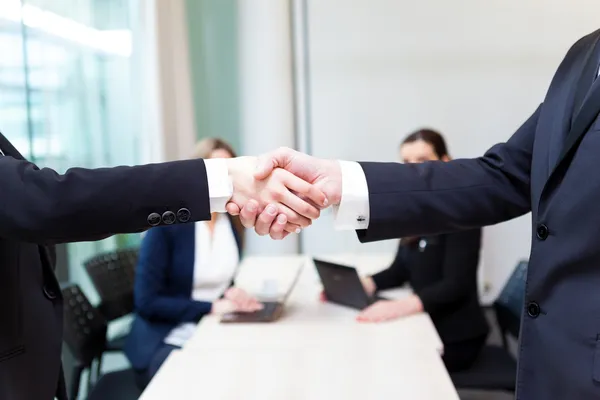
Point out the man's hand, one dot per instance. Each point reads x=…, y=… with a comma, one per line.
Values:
x=287, y=194
x=325, y=175
x=268, y=223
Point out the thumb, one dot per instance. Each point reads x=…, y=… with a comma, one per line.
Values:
x=268, y=162
x=264, y=166
x=232, y=208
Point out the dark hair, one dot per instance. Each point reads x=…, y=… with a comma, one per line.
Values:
x=206, y=146
x=432, y=138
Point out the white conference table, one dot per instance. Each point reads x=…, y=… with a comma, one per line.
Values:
x=302, y=374
x=316, y=350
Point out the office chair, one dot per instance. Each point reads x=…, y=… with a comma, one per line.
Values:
x=84, y=332
x=113, y=275
x=495, y=367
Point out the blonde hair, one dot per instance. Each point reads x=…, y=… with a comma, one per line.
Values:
x=204, y=149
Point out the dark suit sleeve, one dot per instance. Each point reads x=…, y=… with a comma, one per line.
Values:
x=395, y=275
x=439, y=197
x=44, y=207
x=459, y=270
x=151, y=301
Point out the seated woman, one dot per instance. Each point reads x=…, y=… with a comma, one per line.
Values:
x=184, y=272
x=442, y=271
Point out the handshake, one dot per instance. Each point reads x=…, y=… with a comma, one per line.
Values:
x=283, y=191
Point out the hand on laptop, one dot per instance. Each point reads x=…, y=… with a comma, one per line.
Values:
x=236, y=300
x=386, y=310
x=242, y=301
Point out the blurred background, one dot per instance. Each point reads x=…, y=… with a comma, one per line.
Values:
x=94, y=83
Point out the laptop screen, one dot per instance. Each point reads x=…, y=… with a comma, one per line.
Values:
x=293, y=283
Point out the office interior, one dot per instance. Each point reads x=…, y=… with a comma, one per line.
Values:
x=95, y=83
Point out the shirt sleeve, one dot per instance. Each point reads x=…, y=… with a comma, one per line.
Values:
x=353, y=211
x=220, y=187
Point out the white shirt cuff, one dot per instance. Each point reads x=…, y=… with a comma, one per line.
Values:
x=220, y=187
x=353, y=210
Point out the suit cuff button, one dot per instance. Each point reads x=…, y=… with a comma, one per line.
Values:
x=183, y=215
x=168, y=217
x=154, y=219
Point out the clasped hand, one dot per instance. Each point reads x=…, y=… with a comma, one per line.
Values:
x=282, y=192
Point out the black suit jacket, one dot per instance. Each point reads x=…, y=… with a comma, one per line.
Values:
x=550, y=167
x=442, y=271
x=38, y=208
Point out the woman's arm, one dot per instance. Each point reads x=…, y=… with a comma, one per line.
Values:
x=395, y=275
x=459, y=280
x=151, y=302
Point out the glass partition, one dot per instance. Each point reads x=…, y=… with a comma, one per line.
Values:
x=66, y=97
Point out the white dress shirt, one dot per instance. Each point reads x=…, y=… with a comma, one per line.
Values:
x=351, y=213
x=216, y=259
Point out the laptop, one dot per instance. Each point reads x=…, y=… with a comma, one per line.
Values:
x=342, y=285
x=271, y=311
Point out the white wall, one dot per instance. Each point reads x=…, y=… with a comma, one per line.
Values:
x=266, y=95
x=473, y=69
x=167, y=95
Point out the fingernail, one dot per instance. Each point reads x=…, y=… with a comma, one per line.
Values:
x=325, y=202
x=251, y=206
x=271, y=209
x=298, y=230
x=281, y=219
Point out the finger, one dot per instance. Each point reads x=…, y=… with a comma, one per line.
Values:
x=283, y=235
x=255, y=304
x=293, y=217
x=239, y=297
x=292, y=228
x=300, y=206
x=323, y=297
x=230, y=293
x=305, y=190
x=248, y=214
x=364, y=317
x=268, y=162
x=249, y=303
x=232, y=208
x=364, y=314
x=278, y=227
x=265, y=220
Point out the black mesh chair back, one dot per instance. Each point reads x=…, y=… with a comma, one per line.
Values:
x=509, y=304
x=113, y=275
x=83, y=326
x=85, y=336
x=84, y=332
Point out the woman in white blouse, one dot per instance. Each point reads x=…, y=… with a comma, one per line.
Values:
x=184, y=272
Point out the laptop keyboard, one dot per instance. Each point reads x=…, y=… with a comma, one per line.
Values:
x=268, y=308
